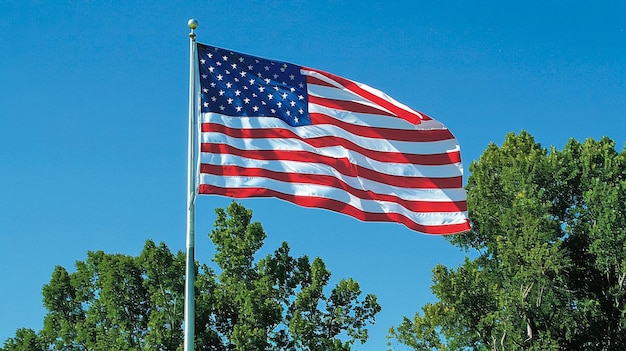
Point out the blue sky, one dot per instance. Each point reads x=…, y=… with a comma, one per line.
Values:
x=93, y=113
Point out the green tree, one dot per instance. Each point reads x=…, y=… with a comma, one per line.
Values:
x=548, y=242
x=278, y=302
x=24, y=340
x=115, y=301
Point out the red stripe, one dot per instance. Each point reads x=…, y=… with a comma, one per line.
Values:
x=327, y=180
x=353, y=87
x=342, y=165
x=425, y=117
x=412, y=135
x=317, y=81
x=351, y=106
x=328, y=141
x=337, y=206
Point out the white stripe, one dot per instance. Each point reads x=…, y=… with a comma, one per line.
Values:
x=439, y=195
x=339, y=87
x=341, y=94
x=375, y=121
x=359, y=119
x=321, y=77
x=320, y=130
x=304, y=190
x=398, y=169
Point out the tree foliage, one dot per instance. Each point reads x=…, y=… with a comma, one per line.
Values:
x=278, y=302
x=549, y=254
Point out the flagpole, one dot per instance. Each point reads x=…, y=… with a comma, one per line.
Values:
x=191, y=196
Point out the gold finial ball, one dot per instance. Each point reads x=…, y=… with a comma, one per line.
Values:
x=193, y=24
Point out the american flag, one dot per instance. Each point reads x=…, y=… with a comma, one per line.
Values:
x=275, y=129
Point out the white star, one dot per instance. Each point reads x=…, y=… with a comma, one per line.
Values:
x=238, y=108
x=219, y=77
x=251, y=81
x=237, y=92
x=243, y=74
x=225, y=58
x=221, y=92
x=296, y=120
x=250, y=68
x=234, y=66
x=205, y=90
x=267, y=80
x=292, y=103
x=292, y=77
x=210, y=55
x=300, y=97
x=285, y=96
x=246, y=101
x=261, y=88
x=241, y=59
x=204, y=76
x=222, y=107
x=230, y=101
x=255, y=108
x=229, y=85
x=270, y=96
x=202, y=61
x=279, y=104
x=275, y=75
x=206, y=104
x=211, y=68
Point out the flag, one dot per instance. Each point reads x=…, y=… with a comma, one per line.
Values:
x=275, y=129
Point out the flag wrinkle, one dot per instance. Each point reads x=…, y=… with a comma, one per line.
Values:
x=411, y=176
x=315, y=171
x=371, y=141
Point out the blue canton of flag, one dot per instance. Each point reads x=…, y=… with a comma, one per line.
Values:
x=236, y=84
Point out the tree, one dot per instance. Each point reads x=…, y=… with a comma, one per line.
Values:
x=24, y=340
x=120, y=302
x=548, y=242
x=116, y=302
x=279, y=302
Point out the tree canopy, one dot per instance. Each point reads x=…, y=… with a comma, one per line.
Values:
x=548, y=254
x=278, y=302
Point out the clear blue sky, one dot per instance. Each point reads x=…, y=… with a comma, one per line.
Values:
x=93, y=113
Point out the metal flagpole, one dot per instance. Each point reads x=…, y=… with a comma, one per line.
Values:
x=191, y=195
